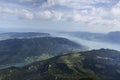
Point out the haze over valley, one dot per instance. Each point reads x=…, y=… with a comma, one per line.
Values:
x=88, y=40
x=59, y=39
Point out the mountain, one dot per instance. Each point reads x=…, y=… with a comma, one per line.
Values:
x=22, y=35
x=29, y=50
x=112, y=37
x=84, y=35
x=103, y=64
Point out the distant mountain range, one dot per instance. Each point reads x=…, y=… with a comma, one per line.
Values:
x=14, y=51
x=112, y=37
x=103, y=64
x=22, y=35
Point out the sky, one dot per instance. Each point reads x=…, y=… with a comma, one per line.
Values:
x=60, y=15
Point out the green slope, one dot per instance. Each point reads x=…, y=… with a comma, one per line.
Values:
x=29, y=50
x=101, y=64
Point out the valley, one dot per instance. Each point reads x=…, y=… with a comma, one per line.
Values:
x=58, y=57
x=59, y=39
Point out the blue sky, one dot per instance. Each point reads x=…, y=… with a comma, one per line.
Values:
x=60, y=15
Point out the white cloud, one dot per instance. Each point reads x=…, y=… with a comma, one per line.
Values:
x=116, y=10
x=26, y=14
x=27, y=0
x=85, y=11
x=44, y=14
x=58, y=15
x=80, y=11
x=5, y=10
x=78, y=4
x=48, y=4
x=49, y=14
x=19, y=12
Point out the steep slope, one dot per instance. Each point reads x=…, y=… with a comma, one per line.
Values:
x=100, y=64
x=29, y=50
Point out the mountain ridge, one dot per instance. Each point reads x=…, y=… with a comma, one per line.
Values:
x=100, y=64
x=29, y=50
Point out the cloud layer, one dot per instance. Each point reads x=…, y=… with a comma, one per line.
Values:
x=90, y=12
